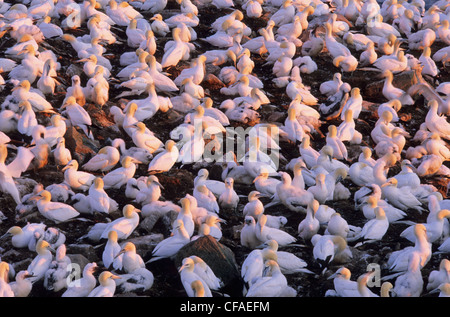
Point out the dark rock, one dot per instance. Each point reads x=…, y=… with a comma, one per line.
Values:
x=167, y=221
x=177, y=183
x=219, y=257
x=80, y=260
x=277, y=116
x=80, y=145
x=73, y=70
x=146, y=243
x=212, y=83
x=212, y=69
x=99, y=116
x=86, y=250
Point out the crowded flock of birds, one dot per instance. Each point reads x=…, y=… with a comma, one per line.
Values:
x=304, y=186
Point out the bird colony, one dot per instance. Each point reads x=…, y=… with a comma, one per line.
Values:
x=108, y=108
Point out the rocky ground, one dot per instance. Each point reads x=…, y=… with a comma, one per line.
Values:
x=179, y=181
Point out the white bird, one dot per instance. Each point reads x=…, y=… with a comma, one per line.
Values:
x=216, y=187
x=175, y=50
x=77, y=180
x=374, y=229
x=330, y=248
x=310, y=225
x=159, y=27
x=77, y=115
x=171, y=245
x=390, y=92
x=46, y=83
x=41, y=262
x=55, y=279
x=429, y=66
x=398, y=260
x=369, y=56
x=337, y=226
x=320, y=190
x=83, y=286
x=118, y=177
x=254, y=207
x=55, y=211
x=121, y=13
x=149, y=192
x=141, y=155
x=107, y=287
x=131, y=260
x=5, y=288
x=110, y=255
x=421, y=39
x=125, y=225
x=27, y=120
x=98, y=199
x=272, y=284
x=205, y=272
x=354, y=103
x=206, y=199
x=253, y=266
x=440, y=276
x=264, y=232
x=188, y=276
x=165, y=160
x=105, y=160
x=402, y=199
x=248, y=233
x=292, y=197
x=343, y=285
x=338, y=148
x=295, y=131
x=22, y=286
x=393, y=214
x=307, y=152
x=61, y=154
x=143, y=138
x=410, y=284
x=434, y=227
x=25, y=237
x=285, y=14
x=330, y=87
x=289, y=263
x=229, y=199
x=436, y=122
x=186, y=216
x=265, y=184
x=346, y=131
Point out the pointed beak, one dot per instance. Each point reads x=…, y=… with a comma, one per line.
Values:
x=332, y=276
x=65, y=167
x=120, y=253
x=385, y=184
x=136, y=161
x=181, y=268
x=258, y=177
x=36, y=197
